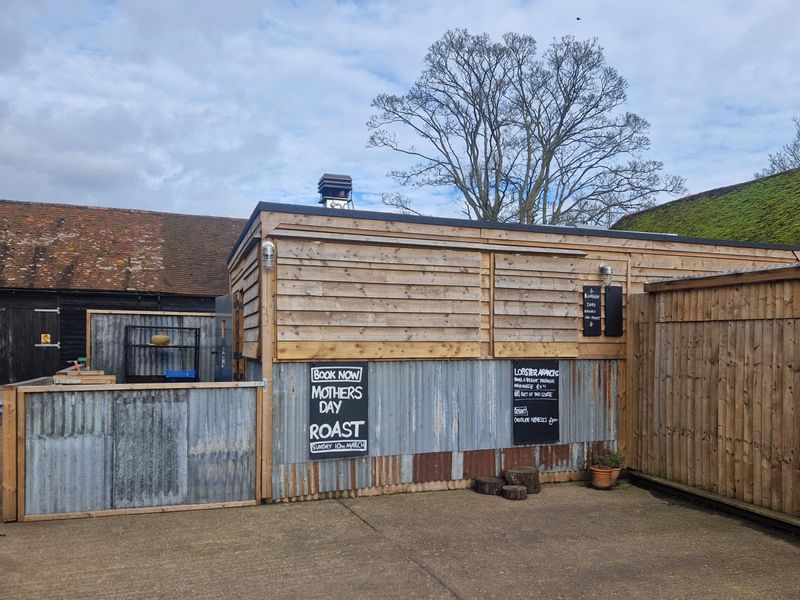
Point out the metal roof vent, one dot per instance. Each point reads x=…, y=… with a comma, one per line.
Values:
x=336, y=191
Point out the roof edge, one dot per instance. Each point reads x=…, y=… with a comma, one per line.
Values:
x=279, y=207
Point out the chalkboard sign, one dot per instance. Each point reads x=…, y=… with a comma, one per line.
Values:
x=613, y=311
x=337, y=424
x=591, y=310
x=534, y=407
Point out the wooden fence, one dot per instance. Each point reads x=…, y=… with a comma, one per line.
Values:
x=714, y=379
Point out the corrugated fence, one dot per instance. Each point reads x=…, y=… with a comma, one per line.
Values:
x=107, y=344
x=116, y=448
x=439, y=421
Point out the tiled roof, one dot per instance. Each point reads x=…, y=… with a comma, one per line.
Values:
x=65, y=247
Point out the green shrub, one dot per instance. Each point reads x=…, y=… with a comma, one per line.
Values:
x=610, y=460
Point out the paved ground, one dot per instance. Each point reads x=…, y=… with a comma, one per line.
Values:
x=568, y=542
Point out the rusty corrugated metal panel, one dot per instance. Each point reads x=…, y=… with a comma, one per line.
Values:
x=98, y=450
x=422, y=411
x=523, y=456
x=555, y=457
x=479, y=463
x=387, y=470
x=433, y=466
x=108, y=345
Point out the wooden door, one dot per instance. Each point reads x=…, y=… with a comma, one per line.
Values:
x=31, y=340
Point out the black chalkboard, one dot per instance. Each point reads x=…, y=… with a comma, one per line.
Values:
x=534, y=405
x=338, y=410
x=613, y=311
x=591, y=310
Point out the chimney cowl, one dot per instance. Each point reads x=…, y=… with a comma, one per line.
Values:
x=336, y=191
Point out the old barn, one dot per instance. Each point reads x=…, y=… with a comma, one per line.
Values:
x=57, y=261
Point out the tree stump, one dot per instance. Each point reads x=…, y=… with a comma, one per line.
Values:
x=491, y=486
x=524, y=476
x=514, y=492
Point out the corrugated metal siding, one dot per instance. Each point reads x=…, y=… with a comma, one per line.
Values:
x=150, y=448
x=69, y=452
x=437, y=421
x=254, y=370
x=222, y=441
x=100, y=450
x=108, y=341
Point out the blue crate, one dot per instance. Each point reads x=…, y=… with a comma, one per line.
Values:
x=177, y=376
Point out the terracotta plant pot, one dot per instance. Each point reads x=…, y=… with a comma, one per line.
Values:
x=604, y=479
x=160, y=339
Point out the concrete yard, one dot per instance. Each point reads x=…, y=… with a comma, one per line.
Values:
x=568, y=542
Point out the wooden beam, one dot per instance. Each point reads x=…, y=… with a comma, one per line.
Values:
x=783, y=273
x=142, y=386
x=421, y=243
x=267, y=291
x=150, y=313
x=536, y=350
x=9, y=475
x=20, y=453
x=376, y=350
x=258, y=450
x=116, y=512
x=741, y=506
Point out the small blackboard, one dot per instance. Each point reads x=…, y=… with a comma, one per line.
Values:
x=613, y=311
x=337, y=424
x=591, y=310
x=534, y=404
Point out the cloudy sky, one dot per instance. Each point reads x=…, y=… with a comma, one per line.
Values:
x=174, y=105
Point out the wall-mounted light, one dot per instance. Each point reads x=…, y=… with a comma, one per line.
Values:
x=268, y=254
x=608, y=274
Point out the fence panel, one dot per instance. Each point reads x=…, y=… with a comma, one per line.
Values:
x=91, y=449
x=715, y=378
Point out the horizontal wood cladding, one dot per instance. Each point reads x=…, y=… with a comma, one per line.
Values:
x=340, y=300
x=344, y=290
x=245, y=274
x=536, y=300
x=376, y=350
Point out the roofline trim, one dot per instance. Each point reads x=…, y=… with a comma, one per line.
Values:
x=320, y=211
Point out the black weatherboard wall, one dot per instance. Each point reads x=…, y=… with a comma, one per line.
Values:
x=22, y=360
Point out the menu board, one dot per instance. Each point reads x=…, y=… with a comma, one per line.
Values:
x=534, y=385
x=591, y=310
x=337, y=424
x=613, y=311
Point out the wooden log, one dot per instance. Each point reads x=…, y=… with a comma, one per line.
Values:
x=492, y=486
x=528, y=477
x=514, y=492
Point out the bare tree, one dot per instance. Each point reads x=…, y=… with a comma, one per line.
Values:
x=787, y=158
x=522, y=137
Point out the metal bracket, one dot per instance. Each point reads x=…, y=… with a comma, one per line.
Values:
x=51, y=310
x=56, y=345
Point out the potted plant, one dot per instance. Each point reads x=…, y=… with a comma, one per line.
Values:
x=605, y=469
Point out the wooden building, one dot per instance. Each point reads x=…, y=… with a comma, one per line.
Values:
x=438, y=312
x=57, y=261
